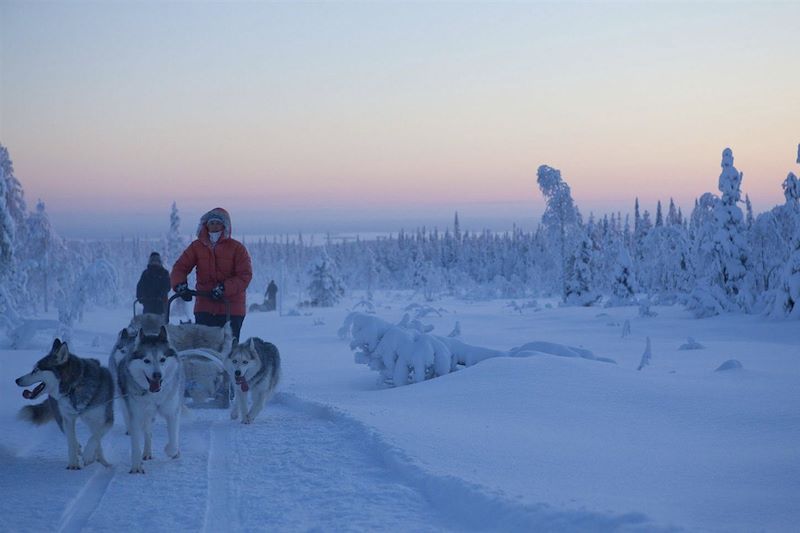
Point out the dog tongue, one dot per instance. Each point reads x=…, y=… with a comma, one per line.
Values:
x=155, y=385
x=242, y=382
x=30, y=395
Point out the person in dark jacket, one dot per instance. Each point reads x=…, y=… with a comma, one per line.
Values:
x=153, y=286
x=270, y=296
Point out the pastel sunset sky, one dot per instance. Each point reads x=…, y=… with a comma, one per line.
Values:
x=375, y=116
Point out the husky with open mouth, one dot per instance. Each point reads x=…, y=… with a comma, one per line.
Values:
x=151, y=379
x=255, y=366
x=76, y=388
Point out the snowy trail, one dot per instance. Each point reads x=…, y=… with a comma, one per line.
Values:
x=301, y=466
x=314, y=475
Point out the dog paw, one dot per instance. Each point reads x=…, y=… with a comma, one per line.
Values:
x=87, y=462
x=137, y=470
x=172, y=451
x=248, y=420
x=72, y=466
x=147, y=457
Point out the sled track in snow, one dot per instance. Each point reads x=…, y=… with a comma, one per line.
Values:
x=80, y=509
x=223, y=494
x=463, y=505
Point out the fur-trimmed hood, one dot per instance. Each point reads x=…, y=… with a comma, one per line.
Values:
x=202, y=230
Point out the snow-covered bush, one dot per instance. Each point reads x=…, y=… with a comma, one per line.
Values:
x=404, y=355
x=407, y=353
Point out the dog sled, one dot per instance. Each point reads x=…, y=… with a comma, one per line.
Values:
x=208, y=385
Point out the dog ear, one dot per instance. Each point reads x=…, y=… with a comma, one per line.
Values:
x=123, y=334
x=62, y=354
x=141, y=335
x=162, y=334
x=56, y=345
x=252, y=344
x=235, y=343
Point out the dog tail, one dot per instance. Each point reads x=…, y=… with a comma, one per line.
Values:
x=38, y=414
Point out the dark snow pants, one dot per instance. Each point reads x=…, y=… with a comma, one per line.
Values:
x=207, y=319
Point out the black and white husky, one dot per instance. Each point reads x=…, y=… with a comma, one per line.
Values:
x=255, y=366
x=76, y=388
x=151, y=380
x=182, y=337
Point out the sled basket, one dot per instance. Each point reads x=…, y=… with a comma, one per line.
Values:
x=208, y=385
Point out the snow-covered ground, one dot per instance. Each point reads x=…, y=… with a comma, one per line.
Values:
x=540, y=443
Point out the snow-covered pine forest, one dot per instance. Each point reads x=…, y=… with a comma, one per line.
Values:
x=719, y=258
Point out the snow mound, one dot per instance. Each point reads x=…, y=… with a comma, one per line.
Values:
x=691, y=344
x=730, y=364
x=407, y=353
x=551, y=348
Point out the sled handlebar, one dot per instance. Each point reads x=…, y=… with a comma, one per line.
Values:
x=204, y=294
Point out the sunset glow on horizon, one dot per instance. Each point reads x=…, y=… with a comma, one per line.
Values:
x=282, y=112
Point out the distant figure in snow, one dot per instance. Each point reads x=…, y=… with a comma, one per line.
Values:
x=270, y=296
x=153, y=286
x=224, y=270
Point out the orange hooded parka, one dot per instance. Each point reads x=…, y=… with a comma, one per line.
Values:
x=225, y=262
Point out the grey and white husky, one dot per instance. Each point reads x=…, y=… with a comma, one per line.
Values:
x=182, y=337
x=76, y=388
x=151, y=380
x=255, y=366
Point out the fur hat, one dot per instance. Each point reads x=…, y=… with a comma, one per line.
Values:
x=215, y=217
x=155, y=259
x=217, y=213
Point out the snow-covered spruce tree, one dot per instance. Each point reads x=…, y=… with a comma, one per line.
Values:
x=561, y=220
x=667, y=264
x=622, y=282
x=726, y=285
x=7, y=224
x=673, y=217
x=579, y=290
x=325, y=288
x=14, y=195
x=659, y=215
x=96, y=283
x=9, y=314
x=175, y=244
x=785, y=299
x=39, y=254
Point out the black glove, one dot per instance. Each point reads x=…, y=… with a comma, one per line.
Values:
x=218, y=292
x=182, y=290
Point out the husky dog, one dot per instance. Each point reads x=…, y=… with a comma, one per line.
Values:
x=151, y=380
x=213, y=341
x=255, y=365
x=186, y=336
x=124, y=346
x=77, y=388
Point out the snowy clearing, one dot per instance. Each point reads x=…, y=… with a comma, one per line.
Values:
x=540, y=442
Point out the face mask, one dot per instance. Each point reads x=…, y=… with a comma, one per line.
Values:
x=214, y=236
